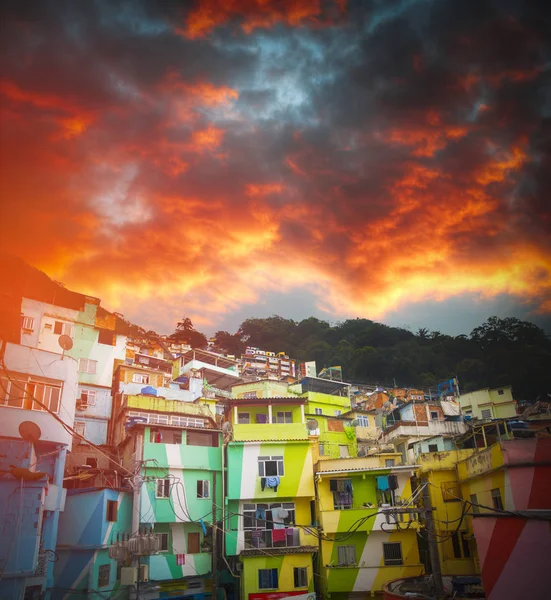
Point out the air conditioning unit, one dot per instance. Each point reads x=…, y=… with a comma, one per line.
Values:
x=143, y=575
x=129, y=575
x=82, y=404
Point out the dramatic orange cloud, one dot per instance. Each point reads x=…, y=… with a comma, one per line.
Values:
x=276, y=149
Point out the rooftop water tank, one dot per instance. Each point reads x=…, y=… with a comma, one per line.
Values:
x=149, y=390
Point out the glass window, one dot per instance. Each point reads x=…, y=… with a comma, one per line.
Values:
x=318, y=411
x=203, y=488
x=363, y=421
x=389, y=462
x=284, y=417
x=140, y=378
x=27, y=323
x=243, y=418
x=300, y=575
x=270, y=466
x=346, y=555
x=267, y=579
x=87, y=366
x=338, y=413
x=163, y=541
x=163, y=488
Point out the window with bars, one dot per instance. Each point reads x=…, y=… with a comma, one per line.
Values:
x=162, y=488
x=203, y=488
x=86, y=365
x=270, y=466
x=27, y=323
x=392, y=553
x=104, y=573
x=300, y=576
x=346, y=555
x=486, y=413
x=267, y=579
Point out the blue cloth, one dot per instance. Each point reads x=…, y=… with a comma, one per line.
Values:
x=272, y=482
x=261, y=513
x=382, y=483
x=203, y=526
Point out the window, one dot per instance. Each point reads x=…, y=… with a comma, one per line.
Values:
x=392, y=553
x=104, y=573
x=80, y=429
x=112, y=508
x=61, y=328
x=27, y=323
x=342, y=493
x=390, y=462
x=322, y=449
x=270, y=466
x=202, y=438
x=88, y=397
x=343, y=451
x=300, y=576
x=12, y=392
x=363, y=421
x=284, y=417
x=433, y=447
x=267, y=579
x=87, y=366
x=187, y=422
x=500, y=392
x=193, y=543
x=496, y=499
x=163, y=541
x=47, y=395
x=318, y=411
x=338, y=413
x=474, y=502
x=460, y=545
x=256, y=516
x=140, y=378
x=434, y=415
x=486, y=413
x=203, y=488
x=451, y=492
x=243, y=418
x=346, y=555
x=163, y=488
x=107, y=337
x=92, y=462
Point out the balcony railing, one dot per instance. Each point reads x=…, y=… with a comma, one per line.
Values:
x=272, y=538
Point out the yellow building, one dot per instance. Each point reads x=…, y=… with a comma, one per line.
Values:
x=489, y=403
x=361, y=549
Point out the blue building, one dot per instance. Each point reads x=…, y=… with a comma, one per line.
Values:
x=33, y=444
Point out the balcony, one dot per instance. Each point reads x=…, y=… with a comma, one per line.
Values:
x=411, y=429
x=285, y=540
x=362, y=573
x=270, y=431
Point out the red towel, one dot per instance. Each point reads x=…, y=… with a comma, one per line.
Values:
x=278, y=535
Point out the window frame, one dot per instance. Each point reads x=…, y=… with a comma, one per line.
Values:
x=433, y=447
x=87, y=362
x=337, y=412
x=203, y=483
x=102, y=582
x=392, y=561
x=141, y=378
x=80, y=428
x=163, y=535
x=318, y=411
x=90, y=397
x=497, y=499
x=272, y=576
x=349, y=551
x=363, y=420
x=487, y=412
x=300, y=574
x=432, y=415
x=286, y=414
x=243, y=415
x=27, y=323
x=474, y=504
x=66, y=328
x=111, y=511
x=280, y=465
x=165, y=486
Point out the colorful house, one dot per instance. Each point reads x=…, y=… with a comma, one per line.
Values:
x=175, y=449
x=93, y=520
x=34, y=445
x=489, y=403
x=362, y=547
x=509, y=487
x=269, y=516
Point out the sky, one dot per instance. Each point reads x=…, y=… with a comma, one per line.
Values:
x=226, y=159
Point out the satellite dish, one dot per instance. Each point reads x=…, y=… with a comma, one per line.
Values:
x=362, y=452
x=65, y=342
x=226, y=427
x=354, y=423
x=312, y=424
x=30, y=431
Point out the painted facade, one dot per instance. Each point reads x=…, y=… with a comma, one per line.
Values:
x=511, y=475
x=489, y=403
x=360, y=551
x=270, y=493
x=93, y=520
x=31, y=472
